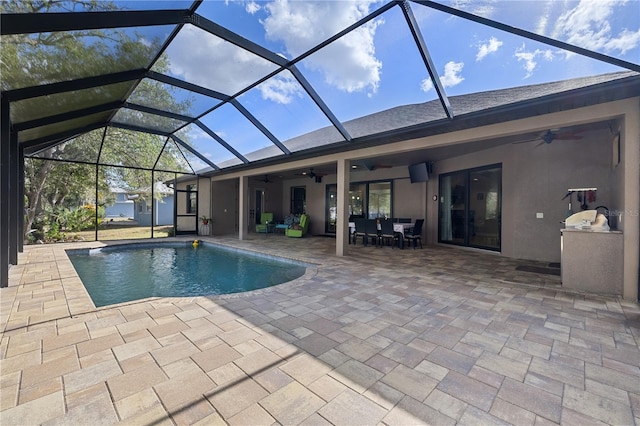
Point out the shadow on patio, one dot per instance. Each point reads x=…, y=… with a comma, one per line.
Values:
x=439, y=335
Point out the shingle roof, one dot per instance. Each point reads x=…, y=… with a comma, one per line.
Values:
x=417, y=114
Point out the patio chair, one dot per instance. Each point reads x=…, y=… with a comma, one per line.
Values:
x=360, y=230
x=371, y=230
x=415, y=235
x=298, y=230
x=387, y=233
x=265, y=220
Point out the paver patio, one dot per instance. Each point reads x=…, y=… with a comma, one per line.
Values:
x=381, y=336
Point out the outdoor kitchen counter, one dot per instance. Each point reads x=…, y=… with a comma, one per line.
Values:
x=592, y=260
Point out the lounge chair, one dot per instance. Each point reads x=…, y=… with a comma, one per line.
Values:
x=297, y=231
x=265, y=225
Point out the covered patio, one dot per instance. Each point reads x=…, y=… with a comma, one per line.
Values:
x=441, y=335
x=229, y=102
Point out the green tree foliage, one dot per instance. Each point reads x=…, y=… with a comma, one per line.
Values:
x=36, y=59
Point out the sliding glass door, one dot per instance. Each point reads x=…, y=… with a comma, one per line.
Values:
x=470, y=207
x=366, y=200
x=331, y=213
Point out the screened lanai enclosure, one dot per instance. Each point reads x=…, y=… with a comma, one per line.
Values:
x=139, y=94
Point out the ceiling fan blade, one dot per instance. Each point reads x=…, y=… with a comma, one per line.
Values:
x=569, y=136
x=525, y=141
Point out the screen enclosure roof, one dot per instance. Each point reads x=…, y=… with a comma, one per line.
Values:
x=209, y=86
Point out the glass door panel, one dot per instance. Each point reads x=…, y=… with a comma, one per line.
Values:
x=379, y=200
x=357, y=204
x=470, y=207
x=331, y=214
x=484, y=207
x=453, y=197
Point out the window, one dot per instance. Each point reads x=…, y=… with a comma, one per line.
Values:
x=357, y=204
x=379, y=200
x=143, y=207
x=192, y=199
x=366, y=200
x=298, y=199
x=370, y=199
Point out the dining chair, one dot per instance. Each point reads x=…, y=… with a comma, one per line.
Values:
x=415, y=235
x=360, y=230
x=371, y=230
x=387, y=233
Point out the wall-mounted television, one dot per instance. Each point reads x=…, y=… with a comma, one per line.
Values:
x=419, y=172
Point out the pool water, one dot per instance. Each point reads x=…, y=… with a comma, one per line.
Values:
x=131, y=272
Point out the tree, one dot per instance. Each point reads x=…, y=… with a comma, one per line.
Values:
x=35, y=59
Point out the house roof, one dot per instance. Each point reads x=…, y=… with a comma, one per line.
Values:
x=129, y=75
x=505, y=104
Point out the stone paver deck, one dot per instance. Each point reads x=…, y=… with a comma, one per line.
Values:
x=381, y=336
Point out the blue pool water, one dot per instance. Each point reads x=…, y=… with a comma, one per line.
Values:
x=131, y=272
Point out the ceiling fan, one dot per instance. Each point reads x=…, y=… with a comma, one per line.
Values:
x=551, y=135
x=312, y=175
x=372, y=166
x=265, y=179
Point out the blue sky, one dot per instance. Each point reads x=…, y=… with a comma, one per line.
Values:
x=377, y=66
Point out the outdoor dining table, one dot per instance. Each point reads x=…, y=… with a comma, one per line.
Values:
x=397, y=227
x=401, y=228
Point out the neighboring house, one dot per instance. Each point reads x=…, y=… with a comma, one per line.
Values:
x=122, y=207
x=162, y=206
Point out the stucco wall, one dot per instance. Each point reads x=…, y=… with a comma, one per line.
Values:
x=408, y=199
x=204, y=199
x=224, y=207
x=535, y=178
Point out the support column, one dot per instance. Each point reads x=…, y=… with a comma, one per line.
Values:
x=5, y=141
x=631, y=213
x=95, y=223
x=153, y=204
x=14, y=212
x=243, y=207
x=21, y=198
x=342, y=231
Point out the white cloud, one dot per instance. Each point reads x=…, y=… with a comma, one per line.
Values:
x=587, y=25
x=491, y=46
x=252, y=7
x=349, y=63
x=280, y=89
x=484, y=8
x=450, y=78
x=209, y=61
x=530, y=58
x=625, y=41
x=452, y=75
x=426, y=85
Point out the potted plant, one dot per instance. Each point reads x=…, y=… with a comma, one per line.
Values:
x=204, y=225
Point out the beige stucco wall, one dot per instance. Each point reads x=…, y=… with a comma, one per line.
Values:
x=204, y=200
x=534, y=181
x=408, y=198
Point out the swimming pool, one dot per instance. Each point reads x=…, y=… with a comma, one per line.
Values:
x=125, y=273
